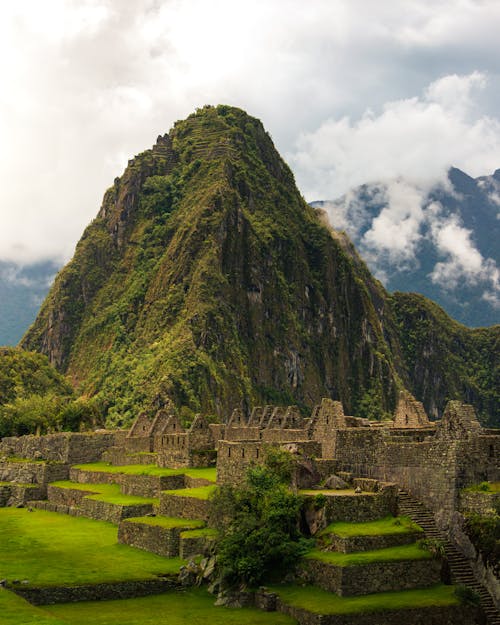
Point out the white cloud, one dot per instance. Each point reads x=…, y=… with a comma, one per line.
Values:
x=88, y=83
x=463, y=261
x=394, y=233
x=418, y=138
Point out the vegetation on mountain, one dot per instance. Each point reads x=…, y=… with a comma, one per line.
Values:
x=206, y=280
x=446, y=360
x=35, y=397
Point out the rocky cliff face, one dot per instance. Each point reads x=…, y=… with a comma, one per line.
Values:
x=207, y=280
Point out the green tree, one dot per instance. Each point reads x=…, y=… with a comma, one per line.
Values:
x=259, y=526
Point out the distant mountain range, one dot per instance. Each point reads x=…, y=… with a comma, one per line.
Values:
x=442, y=242
x=22, y=290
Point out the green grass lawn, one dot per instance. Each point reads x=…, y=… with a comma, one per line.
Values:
x=168, y=522
x=190, y=607
x=389, y=554
x=202, y=492
x=47, y=548
x=345, y=492
x=484, y=487
x=322, y=602
x=110, y=493
x=381, y=527
x=204, y=532
x=209, y=473
x=17, y=611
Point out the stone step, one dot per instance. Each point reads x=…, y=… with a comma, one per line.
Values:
x=460, y=568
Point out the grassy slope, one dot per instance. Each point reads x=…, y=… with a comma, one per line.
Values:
x=381, y=527
x=389, y=554
x=201, y=492
x=322, y=602
x=110, y=493
x=191, y=607
x=209, y=473
x=17, y=611
x=167, y=522
x=51, y=549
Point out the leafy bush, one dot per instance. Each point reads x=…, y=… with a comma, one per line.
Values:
x=484, y=531
x=259, y=526
x=435, y=546
x=467, y=595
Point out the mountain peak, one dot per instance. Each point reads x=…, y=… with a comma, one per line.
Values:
x=208, y=282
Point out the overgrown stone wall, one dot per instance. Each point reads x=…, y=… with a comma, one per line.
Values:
x=480, y=502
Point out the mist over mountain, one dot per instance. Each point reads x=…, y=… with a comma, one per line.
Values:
x=441, y=242
x=22, y=290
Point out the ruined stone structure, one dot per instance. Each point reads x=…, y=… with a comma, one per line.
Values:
x=409, y=412
x=431, y=461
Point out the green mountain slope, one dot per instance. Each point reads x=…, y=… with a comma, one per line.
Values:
x=207, y=280
x=31, y=392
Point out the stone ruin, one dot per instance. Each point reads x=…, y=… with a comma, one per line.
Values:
x=409, y=412
x=432, y=460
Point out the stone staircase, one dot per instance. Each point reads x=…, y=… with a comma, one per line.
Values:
x=460, y=569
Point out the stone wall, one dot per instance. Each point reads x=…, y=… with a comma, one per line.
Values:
x=234, y=458
x=370, y=578
x=183, y=507
x=49, y=595
x=33, y=472
x=72, y=497
x=480, y=502
x=448, y=615
x=149, y=485
x=154, y=538
x=67, y=447
x=192, y=544
x=138, y=444
x=433, y=470
x=112, y=512
x=119, y=456
x=352, y=544
x=357, y=508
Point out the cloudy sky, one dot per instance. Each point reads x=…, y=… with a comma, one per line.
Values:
x=351, y=91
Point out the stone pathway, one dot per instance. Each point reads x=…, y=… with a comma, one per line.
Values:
x=461, y=570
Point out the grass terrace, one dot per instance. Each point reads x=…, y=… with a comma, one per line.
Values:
x=343, y=492
x=389, y=554
x=382, y=527
x=201, y=492
x=206, y=532
x=484, y=487
x=168, y=522
x=109, y=493
x=190, y=607
x=16, y=611
x=50, y=549
x=209, y=473
x=322, y=602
